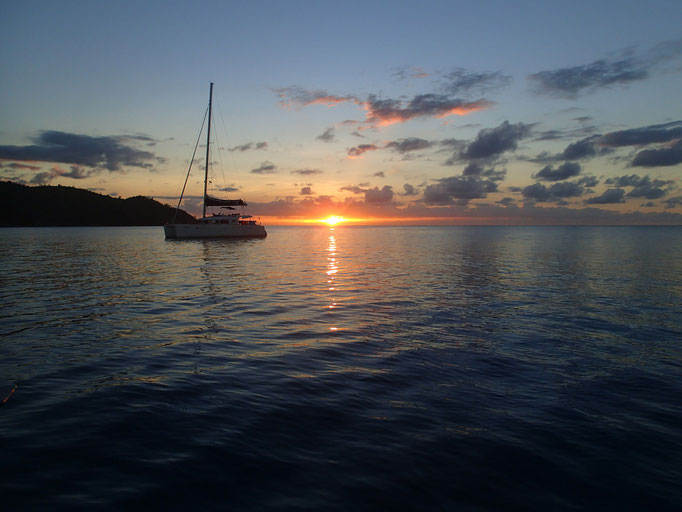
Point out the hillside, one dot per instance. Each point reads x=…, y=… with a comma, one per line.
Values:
x=69, y=206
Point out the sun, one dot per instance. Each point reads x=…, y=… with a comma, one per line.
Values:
x=333, y=220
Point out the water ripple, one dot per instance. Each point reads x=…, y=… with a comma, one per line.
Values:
x=344, y=368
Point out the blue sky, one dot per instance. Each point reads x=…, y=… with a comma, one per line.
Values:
x=501, y=112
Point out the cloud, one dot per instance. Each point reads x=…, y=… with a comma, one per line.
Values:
x=566, y=189
x=15, y=165
x=564, y=171
x=659, y=157
x=406, y=72
x=409, y=190
x=250, y=145
x=648, y=189
x=327, y=135
x=306, y=191
x=266, y=167
x=578, y=150
x=377, y=196
x=409, y=144
x=588, y=181
x=229, y=189
x=307, y=172
x=461, y=188
x=108, y=152
x=555, y=193
x=299, y=97
x=385, y=112
x=460, y=81
x=354, y=189
x=643, y=186
x=75, y=172
x=653, y=134
x=572, y=81
x=506, y=201
x=474, y=169
x=492, y=142
x=673, y=202
x=388, y=111
x=610, y=196
x=357, y=151
x=379, y=174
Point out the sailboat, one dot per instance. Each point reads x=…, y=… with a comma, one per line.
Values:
x=217, y=225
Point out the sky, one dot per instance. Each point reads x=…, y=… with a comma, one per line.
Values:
x=379, y=112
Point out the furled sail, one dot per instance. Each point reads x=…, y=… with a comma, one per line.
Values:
x=214, y=201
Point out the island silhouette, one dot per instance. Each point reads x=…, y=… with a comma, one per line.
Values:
x=49, y=205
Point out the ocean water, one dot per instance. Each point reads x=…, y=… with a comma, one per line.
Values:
x=347, y=368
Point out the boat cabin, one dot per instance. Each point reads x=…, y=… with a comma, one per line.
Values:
x=232, y=218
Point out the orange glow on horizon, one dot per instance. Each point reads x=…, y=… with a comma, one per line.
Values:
x=382, y=221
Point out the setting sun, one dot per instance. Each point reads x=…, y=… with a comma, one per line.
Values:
x=333, y=220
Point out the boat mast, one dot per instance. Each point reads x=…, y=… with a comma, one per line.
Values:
x=208, y=145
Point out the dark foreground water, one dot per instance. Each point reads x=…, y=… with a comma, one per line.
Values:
x=353, y=369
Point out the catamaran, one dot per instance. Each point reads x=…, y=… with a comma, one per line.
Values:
x=216, y=225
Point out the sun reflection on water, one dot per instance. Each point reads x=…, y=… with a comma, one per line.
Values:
x=332, y=270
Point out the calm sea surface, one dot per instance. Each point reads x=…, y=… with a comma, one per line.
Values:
x=416, y=368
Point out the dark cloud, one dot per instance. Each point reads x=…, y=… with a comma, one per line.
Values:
x=306, y=191
x=506, y=201
x=610, y=196
x=648, y=188
x=588, y=181
x=376, y=195
x=584, y=148
x=362, y=148
x=327, y=135
x=662, y=157
x=474, y=169
x=15, y=165
x=379, y=174
x=566, y=189
x=564, y=171
x=266, y=167
x=229, y=189
x=654, y=134
x=571, y=82
x=354, y=189
x=549, y=135
x=409, y=144
x=588, y=147
x=409, y=190
x=625, y=181
x=307, y=172
x=556, y=193
x=75, y=172
x=109, y=152
x=460, y=81
x=673, y=202
x=250, y=145
x=643, y=186
x=536, y=192
x=492, y=142
x=460, y=188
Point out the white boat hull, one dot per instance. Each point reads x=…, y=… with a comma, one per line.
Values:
x=214, y=231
